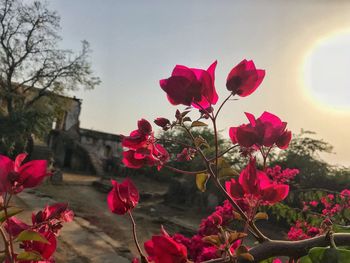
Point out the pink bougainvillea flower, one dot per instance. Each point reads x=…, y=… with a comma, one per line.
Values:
x=255, y=187
x=15, y=176
x=123, y=197
x=138, y=138
x=267, y=130
x=244, y=78
x=58, y=211
x=163, y=248
x=187, y=154
x=163, y=123
x=143, y=149
x=191, y=86
x=52, y=217
x=45, y=250
x=15, y=226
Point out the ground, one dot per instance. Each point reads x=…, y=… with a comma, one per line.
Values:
x=97, y=235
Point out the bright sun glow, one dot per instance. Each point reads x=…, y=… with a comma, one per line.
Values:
x=327, y=71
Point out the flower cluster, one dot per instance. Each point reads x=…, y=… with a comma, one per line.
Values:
x=281, y=176
x=45, y=224
x=38, y=240
x=15, y=176
x=143, y=149
x=268, y=130
x=254, y=187
x=302, y=230
x=191, y=86
x=330, y=205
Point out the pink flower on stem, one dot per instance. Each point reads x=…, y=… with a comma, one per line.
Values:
x=254, y=187
x=163, y=248
x=46, y=250
x=191, y=86
x=268, y=130
x=163, y=123
x=244, y=78
x=123, y=197
x=15, y=176
x=143, y=149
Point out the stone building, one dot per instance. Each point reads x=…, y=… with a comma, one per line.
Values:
x=84, y=150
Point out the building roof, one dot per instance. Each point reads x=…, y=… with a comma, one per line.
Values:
x=100, y=135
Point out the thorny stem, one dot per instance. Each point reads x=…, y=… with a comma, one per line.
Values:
x=183, y=171
x=135, y=238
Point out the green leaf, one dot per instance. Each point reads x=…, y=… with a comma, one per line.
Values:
x=198, y=124
x=225, y=169
x=247, y=256
x=199, y=141
x=346, y=213
x=201, y=181
x=340, y=228
x=186, y=119
x=305, y=259
x=212, y=239
x=183, y=114
x=30, y=235
x=269, y=260
x=11, y=211
x=29, y=256
x=261, y=215
x=242, y=252
x=326, y=255
x=2, y=257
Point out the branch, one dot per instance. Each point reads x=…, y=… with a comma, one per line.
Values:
x=224, y=152
x=185, y=172
x=294, y=249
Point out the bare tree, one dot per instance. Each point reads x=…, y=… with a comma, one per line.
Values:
x=32, y=65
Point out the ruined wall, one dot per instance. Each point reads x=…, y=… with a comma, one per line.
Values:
x=104, y=145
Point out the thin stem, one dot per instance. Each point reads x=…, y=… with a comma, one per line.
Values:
x=185, y=172
x=6, y=202
x=193, y=140
x=224, y=152
x=175, y=141
x=216, y=148
x=222, y=104
x=260, y=236
x=331, y=239
x=218, y=260
x=6, y=243
x=135, y=236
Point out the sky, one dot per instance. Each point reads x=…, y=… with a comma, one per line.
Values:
x=136, y=43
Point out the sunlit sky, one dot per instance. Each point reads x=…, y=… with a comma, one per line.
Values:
x=304, y=46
